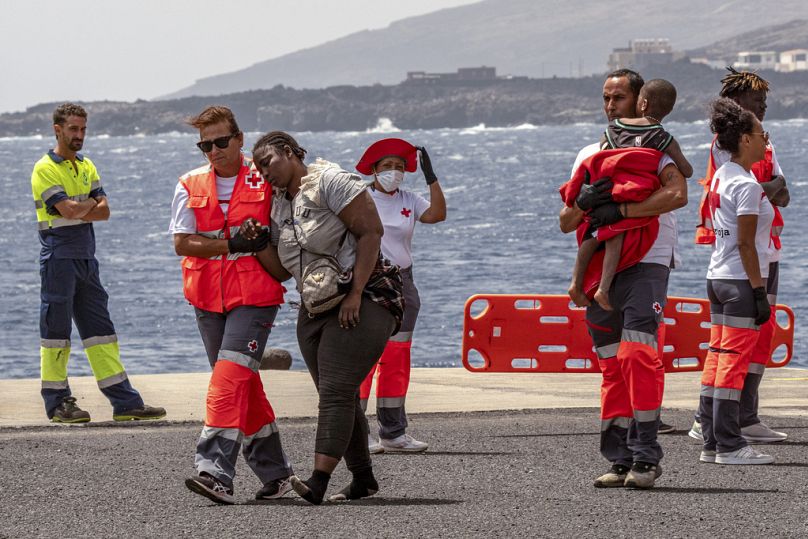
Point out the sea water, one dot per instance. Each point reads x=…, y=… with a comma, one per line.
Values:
x=501, y=235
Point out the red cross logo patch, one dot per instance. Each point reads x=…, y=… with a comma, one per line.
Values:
x=657, y=307
x=254, y=180
x=405, y=212
x=252, y=345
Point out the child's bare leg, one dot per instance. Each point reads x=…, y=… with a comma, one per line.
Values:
x=576, y=290
x=610, y=260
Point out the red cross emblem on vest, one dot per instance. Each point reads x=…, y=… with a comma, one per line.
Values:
x=255, y=181
x=405, y=212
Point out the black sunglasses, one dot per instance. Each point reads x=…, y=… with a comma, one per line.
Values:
x=221, y=143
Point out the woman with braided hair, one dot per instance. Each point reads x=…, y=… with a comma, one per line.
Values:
x=320, y=212
x=749, y=90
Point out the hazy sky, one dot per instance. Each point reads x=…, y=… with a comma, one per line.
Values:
x=124, y=50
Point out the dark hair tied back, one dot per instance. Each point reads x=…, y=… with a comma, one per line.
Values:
x=279, y=139
x=729, y=121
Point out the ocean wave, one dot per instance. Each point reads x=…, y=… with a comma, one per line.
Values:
x=384, y=125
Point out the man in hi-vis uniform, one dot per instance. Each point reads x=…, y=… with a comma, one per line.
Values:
x=68, y=196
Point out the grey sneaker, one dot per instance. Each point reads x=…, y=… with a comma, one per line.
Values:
x=69, y=412
x=403, y=444
x=760, y=433
x=274, y=489
x=743, y=456
x=374, y=446
x=642, y=475
x=211, y=488
x=695, y=431
x=615, y=477
x=707, y=455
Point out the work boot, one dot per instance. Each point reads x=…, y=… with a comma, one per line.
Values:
x=615, y=477
x=69, y=412
x=403, y=444
x=760, y=433
x=211, y=488
x=695, y=431
x=274, y=489
x=743, y=456
x=146, y=413
x=642, y=475
x=374, y=446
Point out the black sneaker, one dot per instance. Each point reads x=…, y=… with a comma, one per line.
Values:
x=69, y=412
x=274, y=489
x=211, y=488
x=146, y=413
x=664, y=428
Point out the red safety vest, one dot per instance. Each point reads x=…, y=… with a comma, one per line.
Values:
x=763, y=171
x=222, y=283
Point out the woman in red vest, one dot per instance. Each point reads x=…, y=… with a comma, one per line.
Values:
x=235, y=302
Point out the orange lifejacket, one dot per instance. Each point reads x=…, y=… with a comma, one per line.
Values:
x=222, y=283
x=763, y=171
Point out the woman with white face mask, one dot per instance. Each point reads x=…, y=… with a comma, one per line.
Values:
x=386, y=161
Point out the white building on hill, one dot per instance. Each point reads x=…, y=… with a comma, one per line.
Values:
x=793, y=60
x=752, y=60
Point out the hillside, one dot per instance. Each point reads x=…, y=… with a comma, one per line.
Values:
x=779, y=37
x=537, y=38
x=357, y=108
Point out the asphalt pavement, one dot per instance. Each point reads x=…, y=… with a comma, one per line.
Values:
x=495, y=474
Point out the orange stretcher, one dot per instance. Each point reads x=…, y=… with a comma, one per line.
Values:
x=547, y=333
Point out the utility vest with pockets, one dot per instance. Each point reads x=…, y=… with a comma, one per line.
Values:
x=223, y=282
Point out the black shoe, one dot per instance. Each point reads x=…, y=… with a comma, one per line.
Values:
x=274, y=489
x=146, y=413
x=69, y=412
x=211, y=488
x=664, y=428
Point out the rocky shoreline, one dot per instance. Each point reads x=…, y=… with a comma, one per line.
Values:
x=356, y=108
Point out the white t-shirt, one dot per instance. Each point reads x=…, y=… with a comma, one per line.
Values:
x=739, y=194
x=183, y=220
x=399, y=213
x=665, y=249
x=722, y=156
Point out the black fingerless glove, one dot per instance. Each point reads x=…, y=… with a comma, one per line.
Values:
x=426, y=166
x=240, y=244
x=762, y=307
x=594, y=195
x=605, y=214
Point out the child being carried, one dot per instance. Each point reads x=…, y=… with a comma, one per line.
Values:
x=656, y=100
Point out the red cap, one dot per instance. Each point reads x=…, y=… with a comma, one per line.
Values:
x=385, y=148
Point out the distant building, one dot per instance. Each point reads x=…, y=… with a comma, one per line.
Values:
x=464, y=75
x=642, y=53
x=793, y=60
x=752, y=60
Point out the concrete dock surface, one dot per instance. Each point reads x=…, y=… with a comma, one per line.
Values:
x=510, y=455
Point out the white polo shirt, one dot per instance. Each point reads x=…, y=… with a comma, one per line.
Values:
x=739, y=193
x=399, y=212
x=665, y=249
x=722, y=156
x=183, y=219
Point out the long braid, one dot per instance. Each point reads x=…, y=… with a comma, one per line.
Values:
x=739, y=82
x=279, y=139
